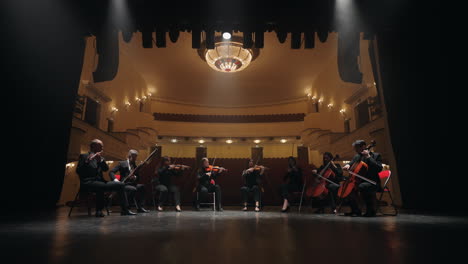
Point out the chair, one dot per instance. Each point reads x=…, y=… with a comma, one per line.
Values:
x=198, y=197
x=88, y=199
x=385, y=178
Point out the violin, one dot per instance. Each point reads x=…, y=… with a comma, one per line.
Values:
x=212, y=168
x=357, y=172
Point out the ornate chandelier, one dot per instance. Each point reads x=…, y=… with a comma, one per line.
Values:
x=228, y=55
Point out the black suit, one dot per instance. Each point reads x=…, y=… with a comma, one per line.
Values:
x=164, y=185
x=205, y=186
x=251, y=184
x=368, y=190
x=91, y=179
x=131, y=187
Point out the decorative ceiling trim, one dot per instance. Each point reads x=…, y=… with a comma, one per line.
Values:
x=287, y=101
x=298, y=117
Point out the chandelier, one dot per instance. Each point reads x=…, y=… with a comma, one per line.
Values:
x=228, y=55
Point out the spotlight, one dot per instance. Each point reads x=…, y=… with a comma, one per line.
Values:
x=160, y=38
x=283, y=140
x=248, y=41
x=226, y=35
x=174, y=140
x=259, y=38
x=201, y=141
x=295, y=40
x=147, y=39
x=210, y=39
x=257, y=141
x=196, y=38
x=309, y=40
x=229, y=141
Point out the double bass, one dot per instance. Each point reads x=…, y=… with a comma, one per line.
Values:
x=357, y=173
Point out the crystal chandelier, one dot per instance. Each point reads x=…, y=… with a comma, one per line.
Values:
x=228, y=55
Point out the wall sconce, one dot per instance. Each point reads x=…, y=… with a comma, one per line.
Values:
x=143, y=97
x=110, y=162
x=320, y=100
x=137, y=99
x=114, y=109
x=150, y=94
x=127, y=105
x=330, y=106
x=69, y=165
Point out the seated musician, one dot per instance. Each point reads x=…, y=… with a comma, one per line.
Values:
x=206, y=182
x=293, y=182
x=366, y=189
x=336, y=177
x=132, y=188
x=164, y=184
x=90, y=168
x=251, y=177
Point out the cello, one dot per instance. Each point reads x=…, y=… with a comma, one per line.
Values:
x=357, y=173
x=317, y=187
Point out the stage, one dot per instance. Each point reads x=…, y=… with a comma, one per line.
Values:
x=231, y=236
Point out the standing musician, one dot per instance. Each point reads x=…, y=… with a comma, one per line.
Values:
x=293, y=182
x=132, y=189
x=366, y=189
x=164, y=185
x=336, y=177
x=207, y=175
x=90, y=168
x=251, y=177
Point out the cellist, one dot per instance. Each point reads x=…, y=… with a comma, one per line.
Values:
x=336, y=175
x=365, y=189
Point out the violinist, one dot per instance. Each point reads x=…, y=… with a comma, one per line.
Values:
x=366, y=189
x=335, y=175
x=90, y=168
x=164, y=185
x=132, y=188
x=251, y=177
x=293, y=182
x=207, y=175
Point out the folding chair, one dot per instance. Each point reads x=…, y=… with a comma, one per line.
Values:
x=385, y=178
x=198, y=198
x=89, y=197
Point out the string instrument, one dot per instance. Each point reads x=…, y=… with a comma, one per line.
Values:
x=132, y=173
x=210, y=169
x=357, y=172
x=317, y=187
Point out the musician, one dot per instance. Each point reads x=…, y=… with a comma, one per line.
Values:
x=90, y=168
x=166, y=172
x=336, y=177
x=366, y=189
x=293, y=182
x=132, y=188
x=251, y=177
x=206, y=183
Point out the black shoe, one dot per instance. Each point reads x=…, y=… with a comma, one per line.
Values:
x=353, y=213
x=99, y=214
x=244, y=209
x=220, y=209
x=127, y=212
x=370, y=214
x=197, y=207
x=285, y=210
x=142, y=210
x=178, y=210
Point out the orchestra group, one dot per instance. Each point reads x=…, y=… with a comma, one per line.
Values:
x=330, y=183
